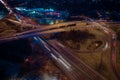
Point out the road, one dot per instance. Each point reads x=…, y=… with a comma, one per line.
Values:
x=44, y=29
x=112, y=42
x=74, y=68
x=38, y=30
x=62, y=27
x=56, y=28
x=67, y=54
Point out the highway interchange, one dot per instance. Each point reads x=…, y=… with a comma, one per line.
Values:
x=63, y=57
x=61, y=27
x=59, y=52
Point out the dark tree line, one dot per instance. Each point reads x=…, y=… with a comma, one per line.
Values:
x=75, y=36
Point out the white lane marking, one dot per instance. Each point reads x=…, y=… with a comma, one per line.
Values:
x=47, y=47
x=41, y=40
x=36, y=38
x=65, y=63
x=61, y=45
x=61, y=61
x=54, y=56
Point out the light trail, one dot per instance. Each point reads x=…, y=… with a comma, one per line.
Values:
x=113, y=48
x=80, y=69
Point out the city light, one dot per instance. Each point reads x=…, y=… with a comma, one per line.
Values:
x=41, y=12
x=20, y=8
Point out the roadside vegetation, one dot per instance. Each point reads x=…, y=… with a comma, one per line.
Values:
x=75, y=37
